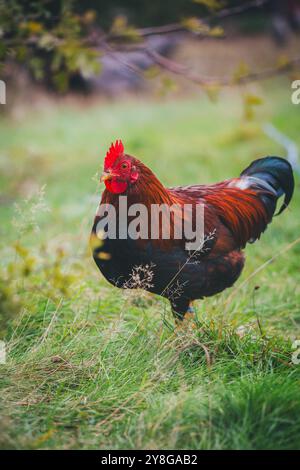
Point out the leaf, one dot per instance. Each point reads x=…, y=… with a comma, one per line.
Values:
x=283, y=61
x=120, y=27
x=47, y=41
x=167, y=85
x=56, y=61
x=241, y=72
x=89, y=16
x=34, y=27
x=253, y=100
x=211, y=4
x=212, y=90
x=104, y=256
x=31, y=27
x=195, y=25
x=216, y=32
x=119, y=24
x=43, y=438
x=152, y=72
x=37, y=67
x=61, y=80
x=21, y=250
x=95, y=242
x=21, y=53
x=250, y=101
x=87, y=62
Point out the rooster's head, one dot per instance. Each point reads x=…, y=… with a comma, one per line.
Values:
x=120, y=170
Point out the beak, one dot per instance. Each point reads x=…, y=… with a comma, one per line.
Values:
x=105, y=176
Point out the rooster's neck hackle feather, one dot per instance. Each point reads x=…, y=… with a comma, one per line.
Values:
x=149, y=191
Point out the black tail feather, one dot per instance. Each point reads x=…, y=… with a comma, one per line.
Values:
x=277, y=173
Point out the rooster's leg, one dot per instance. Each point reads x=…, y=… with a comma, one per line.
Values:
x=190, y=313
x=183, y=311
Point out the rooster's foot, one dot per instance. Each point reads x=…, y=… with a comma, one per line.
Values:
x=187, y=320
x=189, y=314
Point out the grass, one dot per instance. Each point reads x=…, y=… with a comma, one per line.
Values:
x=90, y=367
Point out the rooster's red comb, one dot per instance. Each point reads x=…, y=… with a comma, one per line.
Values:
x=115, y=150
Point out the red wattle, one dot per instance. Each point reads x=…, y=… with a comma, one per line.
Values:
x=116, y=187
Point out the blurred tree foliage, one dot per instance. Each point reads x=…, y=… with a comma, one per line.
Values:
x=143, y=13
x=58, y=40
x=49, y=37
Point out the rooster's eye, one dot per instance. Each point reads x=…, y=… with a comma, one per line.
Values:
x=124, y=166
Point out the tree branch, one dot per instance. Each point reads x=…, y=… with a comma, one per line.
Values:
x=180, y=27
x=182, y=70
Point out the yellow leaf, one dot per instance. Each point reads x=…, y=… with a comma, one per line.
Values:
x=241, y=71
x=120, y=27
x=95, y=242
x=43, y=438
x=195, y=25
x=212, y=91
x=119, y=24
x=34, y=27
x=283, y=61
x=216, y=32
x=252, y=99
x=21, y=250
x=211, y=4
x=152, y=72
x=104, y=256
x=89, y=16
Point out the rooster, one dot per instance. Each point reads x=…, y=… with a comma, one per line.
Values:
x=236, y=212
